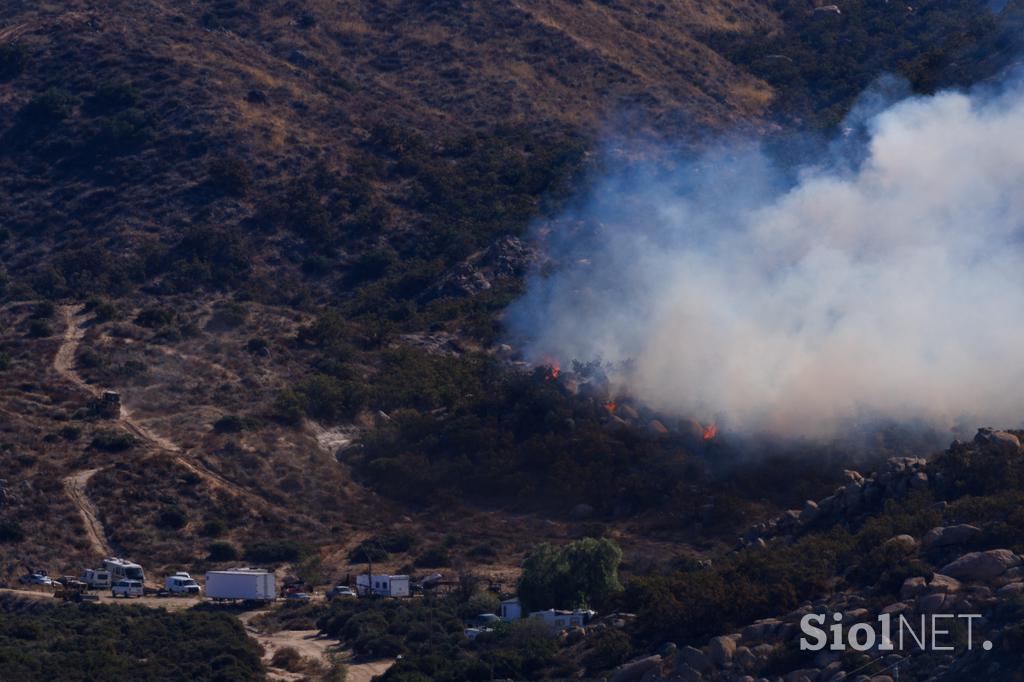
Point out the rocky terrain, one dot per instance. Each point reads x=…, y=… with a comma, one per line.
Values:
x=953, y=568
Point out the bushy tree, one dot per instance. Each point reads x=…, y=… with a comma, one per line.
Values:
x=582, y=573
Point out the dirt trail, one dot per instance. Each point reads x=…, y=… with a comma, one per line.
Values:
x=64, y=360
x=63, y=364
x=312, y=648
x=75, y=485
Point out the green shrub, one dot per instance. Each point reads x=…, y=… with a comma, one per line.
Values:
x=230, y=175
x=433, y=557
x=221, y=551
x=52, y=106
x=38, y=329
x=113, y=441
x=13, y=58
x=230, y=423
x=154, y=317
x=171, y=519
x=11, y=532
x=48, y=641
x=274, y=551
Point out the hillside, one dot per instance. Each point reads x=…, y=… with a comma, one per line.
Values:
x=284, y=233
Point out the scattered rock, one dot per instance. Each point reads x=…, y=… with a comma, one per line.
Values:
x=913, y=587
x=635, y=670
x=950, y=535
x=903, y=543
x=1011, y=590
x=657, y=428
x=944, y=584
x=696, y=659
x=1000, y=440
x=721, y=650
x=982, y=566
x=582, y=511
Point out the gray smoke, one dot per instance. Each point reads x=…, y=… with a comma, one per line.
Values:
x=885, y=281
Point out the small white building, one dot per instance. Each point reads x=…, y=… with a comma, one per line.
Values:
x=558, y=620
x=383, y=585
x=511, y=609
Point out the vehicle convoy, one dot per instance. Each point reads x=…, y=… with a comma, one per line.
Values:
x=127, y=588
x=122, y=569
x=181, y=583
x=241, y=583
x=97, y=578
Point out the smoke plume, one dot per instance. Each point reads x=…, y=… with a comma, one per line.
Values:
x=886, y=280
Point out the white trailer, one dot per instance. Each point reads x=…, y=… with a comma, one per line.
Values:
x=241, y=583
x=382, y=585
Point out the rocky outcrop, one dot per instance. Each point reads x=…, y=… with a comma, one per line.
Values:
x=950, y=535
x=982, y=566
x=850, y=503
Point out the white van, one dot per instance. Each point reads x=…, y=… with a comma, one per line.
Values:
x=181, y=583
x=126, y=588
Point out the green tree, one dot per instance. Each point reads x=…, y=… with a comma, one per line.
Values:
x=582, y=573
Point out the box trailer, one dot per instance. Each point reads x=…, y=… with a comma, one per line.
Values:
x=241, y=583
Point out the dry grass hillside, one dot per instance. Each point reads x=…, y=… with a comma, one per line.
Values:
x=277, y=227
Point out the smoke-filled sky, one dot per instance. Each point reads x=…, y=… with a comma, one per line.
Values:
x=887, y=280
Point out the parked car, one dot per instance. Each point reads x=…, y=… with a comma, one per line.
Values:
x=300, y=597
x=36, y=578
x=340, y=592
x=127, y=588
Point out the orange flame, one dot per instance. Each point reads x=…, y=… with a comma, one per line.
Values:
x=710, y=431
x=554, y=368
x=610, y=406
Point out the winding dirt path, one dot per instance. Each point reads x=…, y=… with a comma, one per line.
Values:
x=64, y=365
x=74, y=486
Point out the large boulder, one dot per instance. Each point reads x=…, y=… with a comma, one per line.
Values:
x=982, y=566
x=912, y=587
x=950, y=535
x=721, y=650
x=695, y=658
x=905, y=544
x=1003, y=441
x=944, y=584
x=635, y=670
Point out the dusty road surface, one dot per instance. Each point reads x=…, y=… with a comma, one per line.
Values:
x=167, y=603
x=315, y=650
x=75, y=485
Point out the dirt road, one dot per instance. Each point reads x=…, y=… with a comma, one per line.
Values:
x=64, y=365
x=75, y=486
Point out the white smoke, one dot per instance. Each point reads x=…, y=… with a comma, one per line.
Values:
x=888, y=286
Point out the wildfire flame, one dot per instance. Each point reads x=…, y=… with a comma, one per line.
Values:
x=710, y=431
x=554, y=368
x=610, y=406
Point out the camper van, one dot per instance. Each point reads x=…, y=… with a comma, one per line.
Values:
x=122, y=569
x=97, y=578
